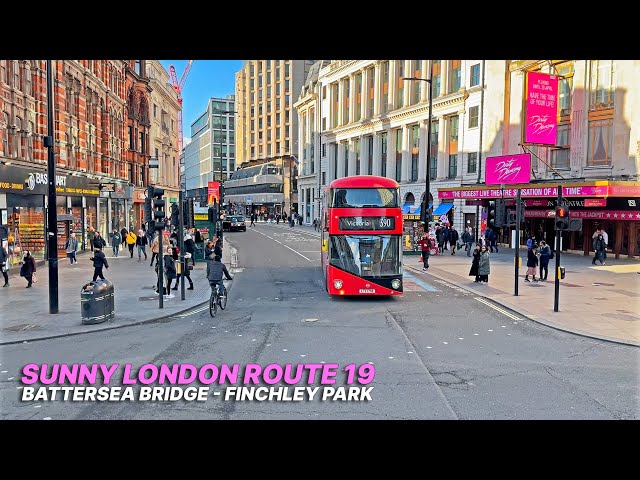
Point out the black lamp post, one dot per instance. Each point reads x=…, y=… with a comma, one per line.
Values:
x=425, y=211
x=52, y=214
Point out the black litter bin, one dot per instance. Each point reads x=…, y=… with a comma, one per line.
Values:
x=97, y=303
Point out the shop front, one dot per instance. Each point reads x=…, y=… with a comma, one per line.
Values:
x=23, y=209
x=612, y=206
x=115, y=211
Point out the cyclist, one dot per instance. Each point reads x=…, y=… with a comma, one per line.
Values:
x=215, y=270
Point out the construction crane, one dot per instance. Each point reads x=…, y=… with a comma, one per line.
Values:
x=178, y=86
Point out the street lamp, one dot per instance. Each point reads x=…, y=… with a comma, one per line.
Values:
x=425, y=211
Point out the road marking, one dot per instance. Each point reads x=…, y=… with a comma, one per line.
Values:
x=286, y=246
x=504, y=312
x=420, y=283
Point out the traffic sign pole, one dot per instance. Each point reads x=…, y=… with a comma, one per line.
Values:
x=556, y=299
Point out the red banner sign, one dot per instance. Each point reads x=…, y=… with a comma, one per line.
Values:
x=595, y=202
x=213, y=191
x=587, y=214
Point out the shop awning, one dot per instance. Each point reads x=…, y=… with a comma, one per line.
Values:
x=417, y=212
x=405, y=208
x=442, y=209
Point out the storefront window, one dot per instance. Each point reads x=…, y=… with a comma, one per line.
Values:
x=103, y=227
x=90, y=218
x=26, y=232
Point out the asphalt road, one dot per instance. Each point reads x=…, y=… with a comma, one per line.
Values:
x=438, y=351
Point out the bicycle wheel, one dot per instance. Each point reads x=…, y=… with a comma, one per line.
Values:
x=222, y=299
x=213, y=304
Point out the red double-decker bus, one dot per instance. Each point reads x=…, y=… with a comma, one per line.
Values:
x=362, y=236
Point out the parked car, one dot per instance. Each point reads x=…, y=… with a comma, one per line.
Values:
x=234, y=223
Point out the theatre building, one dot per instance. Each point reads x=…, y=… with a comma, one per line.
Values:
x=610, y=205
x=23, y=209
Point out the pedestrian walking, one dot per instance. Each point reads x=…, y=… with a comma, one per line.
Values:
x=532, y=263
x=98, y=241
x=123, y=233
x=190, y=248
x=605, y=237
x=155, y=248
x=425, y=246
x=141, y=243
x=545, y=256
x=169, y=269
x=600, y=249
x=116, y=240
x=492, y=239
x=484, y=265
x=475, y=263
x=99, y=261
x=131, y=241
x=186, y=273
x=217, y=250
x=467, y=239
x=441, y=237
x=71, y=247
x=3, y=264
x=28, y=269
x=91, y=234
x=453, y=239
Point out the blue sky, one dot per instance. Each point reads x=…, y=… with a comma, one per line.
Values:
x=207, y=78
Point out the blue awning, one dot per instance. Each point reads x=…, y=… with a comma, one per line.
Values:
x=417, y=212
x=405, y=208
x=442, y=209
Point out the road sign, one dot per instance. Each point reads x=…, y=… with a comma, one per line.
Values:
x=107, y=187
x=153, y=162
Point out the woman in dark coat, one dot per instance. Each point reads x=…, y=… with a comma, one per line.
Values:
x=169, y=268
x=532, y=263
x=28, y=268
x=475, y=263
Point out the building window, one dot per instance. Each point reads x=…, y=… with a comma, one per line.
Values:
x=453, y=128
x=453, y=166
x=277, y=89
x=602, y=84
x=142, y=143
x=455, y=75
x=277, y=72
x=335, y=102
x=370, y=155
x=132, y=139
x=385, y=87
x=371, y=82
x=565, y=87
x=356, y=149
x=277, y=148
x=472, y=162
x=286, y=68
x=278, y=133
x=324, y=92
x=138, y=67
x=345, y=145
x=335, y=160
x=286, y=86
x=475, y=75
x=324, y=178
x=155, y=110
x=3, y=71
x=435, y=82
x=268, y=78
x=473, y=116
x=416, y=86
x=600, y=142
x=324, y=150
x=251, y=71
x=560, y=156
x=383, y=154
x=433, y=161
x=398, y=154
x=345, y=106
x=415, y=151
x=400, y=83
x=358, y=107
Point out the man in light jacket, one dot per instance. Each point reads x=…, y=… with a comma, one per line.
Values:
x=71, y=247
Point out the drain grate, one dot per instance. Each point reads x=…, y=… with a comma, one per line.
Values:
x=22, y=327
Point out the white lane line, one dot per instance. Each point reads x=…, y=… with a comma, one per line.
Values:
x=285, y=246
x=504, y=312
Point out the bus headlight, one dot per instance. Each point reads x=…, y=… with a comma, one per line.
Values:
x=395, y=283
x=337, y=284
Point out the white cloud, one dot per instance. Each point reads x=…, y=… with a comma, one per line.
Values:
x=186, y=141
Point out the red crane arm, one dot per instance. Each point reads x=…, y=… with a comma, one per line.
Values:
x=185, y=74
x=174, y=79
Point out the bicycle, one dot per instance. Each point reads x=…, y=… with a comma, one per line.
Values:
x=216, y=299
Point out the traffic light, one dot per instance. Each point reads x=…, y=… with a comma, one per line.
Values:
x=521, y=207
x=562, y=217
x=426, y=213
x=501, y=213
x=212, y=214
x=187, y=213
x=175, y=215
x=494, y=222
x=156, y=195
